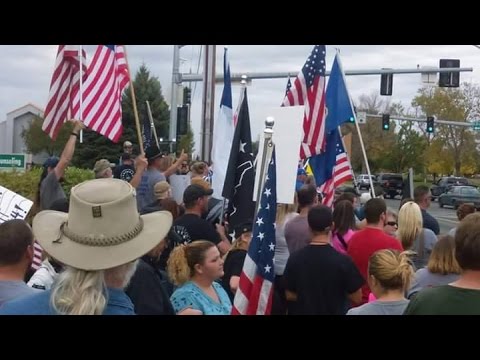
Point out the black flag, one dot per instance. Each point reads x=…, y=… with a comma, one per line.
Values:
x=240, y=178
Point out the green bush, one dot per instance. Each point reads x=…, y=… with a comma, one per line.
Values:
x=26, y=183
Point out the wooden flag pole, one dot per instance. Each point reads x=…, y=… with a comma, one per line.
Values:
x=134, y=103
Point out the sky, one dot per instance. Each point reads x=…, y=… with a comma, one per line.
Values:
x=26, y=70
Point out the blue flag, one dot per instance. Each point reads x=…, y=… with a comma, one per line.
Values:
x=322, y=165
x=339, y=104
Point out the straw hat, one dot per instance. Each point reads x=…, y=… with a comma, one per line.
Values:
x=102, y=229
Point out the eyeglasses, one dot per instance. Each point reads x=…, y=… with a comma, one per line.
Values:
x=392, y=223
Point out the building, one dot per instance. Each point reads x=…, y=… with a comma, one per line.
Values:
x=11, y=140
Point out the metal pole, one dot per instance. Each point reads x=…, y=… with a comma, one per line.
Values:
x=175, y=81
x=364, y=155
x=236, y=77
x=152, y=124
x=208, y=101
x=442, y=122
x=410, y=174
x=80, y=55
x=266, y=156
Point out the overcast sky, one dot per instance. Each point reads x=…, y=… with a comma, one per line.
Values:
x=26, y=70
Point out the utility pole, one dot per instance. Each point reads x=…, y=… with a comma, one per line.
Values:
x=176, y=81
x=208, y=101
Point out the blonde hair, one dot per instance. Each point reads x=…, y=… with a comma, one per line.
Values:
x=80, y=292
x=410, y=223
x=391, y=268
x=238, y=244
x=182, y=260
x=442, y=259
x=198, y=168
x=165, y=163
x=283, y=210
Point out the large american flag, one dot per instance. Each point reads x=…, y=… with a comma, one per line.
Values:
x=64, y=97
x=309, y=89
x=342, y=172
x=254, y=294
x=107, y=77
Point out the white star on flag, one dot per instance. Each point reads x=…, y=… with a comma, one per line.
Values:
x=271, y=246
x=259, y=221
x=267, y=268
x=268, y=192
x=261, y=236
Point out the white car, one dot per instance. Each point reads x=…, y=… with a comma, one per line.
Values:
x=363, y=181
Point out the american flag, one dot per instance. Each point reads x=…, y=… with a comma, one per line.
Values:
x=37, y=255
x=289, y=86
x=64, y=97
x=254, y=294
x=107, y=77
x=309, y=89
x=342, y=172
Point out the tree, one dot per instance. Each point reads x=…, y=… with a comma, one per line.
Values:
x=96, y=146
x=37, y=140
x=378, y=143
x=462, y=104
x=408, y=150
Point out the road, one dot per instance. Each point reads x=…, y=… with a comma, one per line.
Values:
x=446, y=217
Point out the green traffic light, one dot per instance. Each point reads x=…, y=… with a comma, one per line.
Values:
x=352, y=119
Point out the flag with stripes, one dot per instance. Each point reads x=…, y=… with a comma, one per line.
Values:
x=308, y=89
x=289, y=86
x=332, y=168
x=37, y=255
x=255, y=290
x=107, y=77
x=64, y=97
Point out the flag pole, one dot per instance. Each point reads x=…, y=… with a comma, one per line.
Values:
x=357, y=126
x=80, y=55
x=134, y=103
x=266, y=156
x=152, y=124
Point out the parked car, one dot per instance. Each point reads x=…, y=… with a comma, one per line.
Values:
x=458, y=195
x=363, y=181
x=445, y=183
x=392, y=184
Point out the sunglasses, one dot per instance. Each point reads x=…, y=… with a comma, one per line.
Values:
x=392, y=223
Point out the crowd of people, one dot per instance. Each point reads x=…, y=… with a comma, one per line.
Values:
x=121, y=244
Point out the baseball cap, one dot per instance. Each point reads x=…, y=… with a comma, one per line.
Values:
x=194, y=192
x=242, y=229
x=52, y=161
x=101, y=165
x=152, y=152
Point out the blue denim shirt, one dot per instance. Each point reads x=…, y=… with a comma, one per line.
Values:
x=39, y=304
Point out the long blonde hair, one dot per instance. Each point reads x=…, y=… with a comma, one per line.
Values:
x=283, y=210
x=183, y=258
x=442, y=260
x=410, y=224
x=80, y=292
x=391, y=268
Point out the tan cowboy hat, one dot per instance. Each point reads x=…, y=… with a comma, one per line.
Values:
x=102, y=229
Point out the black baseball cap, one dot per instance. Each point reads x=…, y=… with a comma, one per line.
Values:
x=242, y=229
x=194, y=192
x=153, y=152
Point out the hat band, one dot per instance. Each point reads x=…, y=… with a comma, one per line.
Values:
x=101, y=240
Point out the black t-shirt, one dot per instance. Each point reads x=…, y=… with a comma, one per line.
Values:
x=124, y=172
x=191, y=227
x=150, y=290
x=322, y=278
x=429, y=222
x=232, y=266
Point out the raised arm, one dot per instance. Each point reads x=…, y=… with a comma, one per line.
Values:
x=68, y=151
x=172, y=169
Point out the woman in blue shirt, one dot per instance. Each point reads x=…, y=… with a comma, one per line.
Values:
x=194, y=268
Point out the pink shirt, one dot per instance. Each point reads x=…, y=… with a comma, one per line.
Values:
x=337, y=244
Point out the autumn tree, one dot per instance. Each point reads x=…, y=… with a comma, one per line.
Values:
x=453, y=104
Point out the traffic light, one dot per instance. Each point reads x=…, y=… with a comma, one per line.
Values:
x=182, y=120
x=386, y=84
x=430, y=124
x=386, y=122
x=449, y=79
x=187, y=96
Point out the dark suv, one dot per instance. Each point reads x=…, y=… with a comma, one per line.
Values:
x=392, y=184
x=445, y=183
